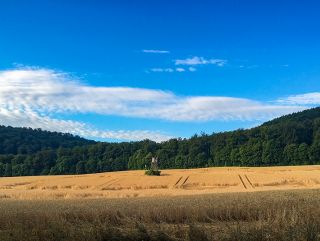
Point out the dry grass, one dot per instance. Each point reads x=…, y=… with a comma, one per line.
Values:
x=274, y=215
x=171, y=183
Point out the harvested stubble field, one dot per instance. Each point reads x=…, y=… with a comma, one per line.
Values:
x=170, y=183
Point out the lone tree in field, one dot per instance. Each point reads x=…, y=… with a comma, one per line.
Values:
x=153, y=170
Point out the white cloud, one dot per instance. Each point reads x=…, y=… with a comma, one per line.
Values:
x=31, y=97
x=302, y=99
x=171, y=70
x=221, y=108
x=200, y=61
x=180, y=70
x=168, y=70
x=155, y=51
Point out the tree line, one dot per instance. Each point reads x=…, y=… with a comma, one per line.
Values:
x=289, y=140
x=27, y=141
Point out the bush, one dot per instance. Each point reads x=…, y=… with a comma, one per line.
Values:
x=153, y=172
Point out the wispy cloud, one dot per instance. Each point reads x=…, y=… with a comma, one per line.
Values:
x=32, y=97
x=155, y=51
x=302, y=99
x=200, y=61
x=180, y=70
x=169, y=70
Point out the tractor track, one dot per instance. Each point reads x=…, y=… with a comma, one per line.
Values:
x=242, y=182
x=249, y=181
x=178, y=181
x=185, y=180
x=109, y=183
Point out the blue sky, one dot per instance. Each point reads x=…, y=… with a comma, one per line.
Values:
x=179, y=67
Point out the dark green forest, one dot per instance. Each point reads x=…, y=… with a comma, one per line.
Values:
x=289, y=140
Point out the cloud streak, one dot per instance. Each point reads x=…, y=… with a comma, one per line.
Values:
x=155, y=51
x=161, y=70
x=200, y=61
x=171, y=70
x=302, y=99
x=32, y=97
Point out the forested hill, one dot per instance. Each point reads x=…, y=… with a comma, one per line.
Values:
x=27, y=141
x=289, y=140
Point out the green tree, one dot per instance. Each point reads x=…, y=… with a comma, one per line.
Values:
x=8, y=170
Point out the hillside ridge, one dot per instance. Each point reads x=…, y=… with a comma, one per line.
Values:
x=288, y=140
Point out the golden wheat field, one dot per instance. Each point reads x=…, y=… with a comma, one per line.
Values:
x=170, y=183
